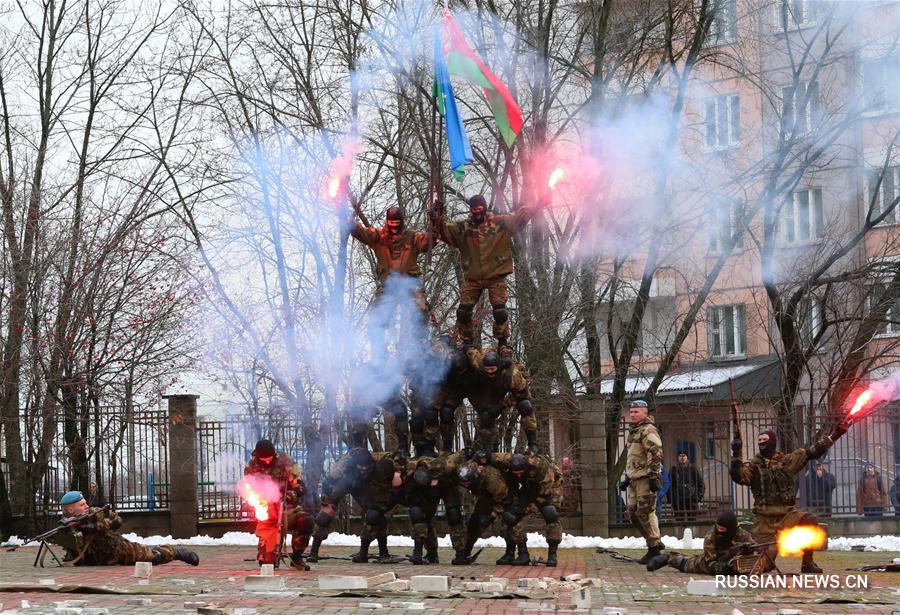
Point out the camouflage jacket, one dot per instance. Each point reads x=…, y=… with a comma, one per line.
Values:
x=383, y=495
x=493, y=488
x=393, y=253
x=343, y=478
x=98, y=541
x=716, y=559
x=283, y=471
x=644, y=451
x=542, y=477
x=488, y=392
x=444, y=467
x=485, y=250
x=771, y=481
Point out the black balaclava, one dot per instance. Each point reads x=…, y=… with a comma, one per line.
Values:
x=477, y=208
x=728, y=521
x=394, y=220
x=767, y=449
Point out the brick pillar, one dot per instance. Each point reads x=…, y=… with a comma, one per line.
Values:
x=183, y=465
x=594, y=490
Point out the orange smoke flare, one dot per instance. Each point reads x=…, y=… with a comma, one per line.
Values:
x=864, y=398
x=558, y=174
x=798, y=539
x=258, y=491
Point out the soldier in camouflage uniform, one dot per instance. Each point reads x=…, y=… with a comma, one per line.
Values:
x=535, y=484
x=770, y=476
x=643, y=472
x=350, y=475
x=492, y=380
x=492, y=497
x=94, y=542
x=388, y=487
x=484, y=242
x=396, y=253
x=435, y=480
x=282, y=469
x=435, y=400
x=371, y=382
x=718, y=550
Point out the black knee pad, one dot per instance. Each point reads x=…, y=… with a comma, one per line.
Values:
x=397, y=409
x=305, y=525
x=464, y=313
x=500, y=313
x=416, y=514
x=375, y=517
x=809, y=519
x=448, y=414
x=430, y=416
x=525, y=407
x=454, y=516
x=323, y=519
x=417, y=424
x=549, y=513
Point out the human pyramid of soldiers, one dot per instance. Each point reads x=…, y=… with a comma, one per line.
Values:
x=507, y=487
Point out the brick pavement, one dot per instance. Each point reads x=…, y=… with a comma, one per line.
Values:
x=219, y=581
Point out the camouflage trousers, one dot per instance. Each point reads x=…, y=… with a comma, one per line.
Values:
x=642, y=509
x=297, y=522
x=766, y=527
x=424, y=530
x=469, y=295
x=487, y=433
x=474, y=529
x=112, y=550
x=695, y=564
x=532, y=503
x=424, y=427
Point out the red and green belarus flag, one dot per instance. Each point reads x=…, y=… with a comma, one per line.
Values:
x=457, y=58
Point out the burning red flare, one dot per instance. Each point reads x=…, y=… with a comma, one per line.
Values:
x=258, y=491
x=555, y=177
x=864, y=398
x=334, y=187
x=796, y=540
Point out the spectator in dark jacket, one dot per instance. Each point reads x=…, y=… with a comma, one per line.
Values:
x=871, y=494
x=895, y=495
x=819, y=486
x=687, y=488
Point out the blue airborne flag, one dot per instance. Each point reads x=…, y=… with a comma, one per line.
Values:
x=457, y=140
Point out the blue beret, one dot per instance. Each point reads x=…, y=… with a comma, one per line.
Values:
x=638, y=403
x=71, y=497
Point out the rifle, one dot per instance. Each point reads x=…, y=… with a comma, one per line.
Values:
x=279, y=552
x=734, y=418
x=66, y=523
x=751, y=557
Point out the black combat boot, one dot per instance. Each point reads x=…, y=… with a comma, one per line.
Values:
x=428, y=450
x=551, y=554
x=448, y=445
x=651, y=552
x=531, y=439
x=297, y=562
x=383, y=555
x=808, y=566
x=431, y=555
x=188, y=557
x=416, y=557
x=509, y=556
x=314, y=550
x=524, y=558
x=363, y=556
x=658, y=561
x=461, y=558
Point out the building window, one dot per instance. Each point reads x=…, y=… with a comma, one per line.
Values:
x=797, y=13
x=726, y=220
x=879, y=294
x=709, y=440
x=800, y=109
x=810, y=315
x=881, y=83
x=883, y=192
x=723, y=120
x=802, y=217
x=726, y=331
x=723, y=28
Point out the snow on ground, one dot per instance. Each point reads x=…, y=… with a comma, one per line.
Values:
x=535, y=540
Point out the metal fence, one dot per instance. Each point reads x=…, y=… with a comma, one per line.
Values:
x=125, y=455
x=705, y=435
